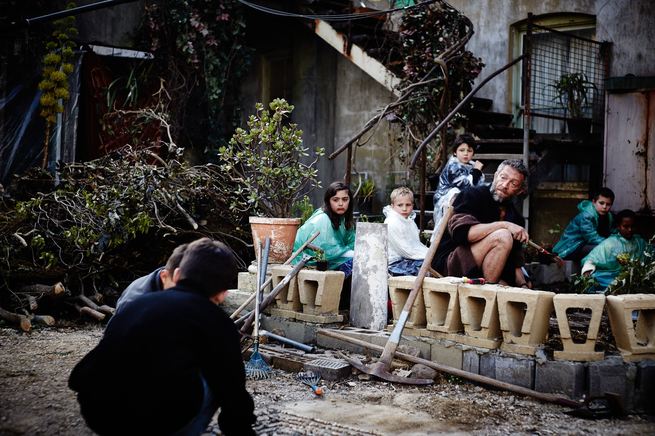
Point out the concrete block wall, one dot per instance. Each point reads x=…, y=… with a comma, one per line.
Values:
x=584, y=351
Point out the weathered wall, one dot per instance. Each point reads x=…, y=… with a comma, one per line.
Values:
x=112, y=26
x=492, y=20
x=630, y=149
x=359, y=99
x=628, y=24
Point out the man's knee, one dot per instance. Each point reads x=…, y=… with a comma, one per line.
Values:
x=502, y=238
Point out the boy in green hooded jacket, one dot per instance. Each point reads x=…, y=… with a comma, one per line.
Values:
x=588, y=228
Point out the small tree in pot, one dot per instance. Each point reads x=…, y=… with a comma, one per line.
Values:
x=271, y=167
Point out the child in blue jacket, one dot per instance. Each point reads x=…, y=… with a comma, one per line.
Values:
x=589, y=227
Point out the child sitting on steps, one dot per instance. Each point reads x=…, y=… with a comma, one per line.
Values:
x=460, y=172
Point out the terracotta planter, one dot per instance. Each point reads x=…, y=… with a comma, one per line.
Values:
x=282, y=232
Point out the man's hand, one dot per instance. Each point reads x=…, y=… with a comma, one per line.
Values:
x=518, y=232
x=477, y=165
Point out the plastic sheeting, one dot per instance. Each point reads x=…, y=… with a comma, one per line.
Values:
x=22, y=130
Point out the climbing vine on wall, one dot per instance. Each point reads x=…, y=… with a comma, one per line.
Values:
x=57, y=67
x=438, y=69
x=199, y=45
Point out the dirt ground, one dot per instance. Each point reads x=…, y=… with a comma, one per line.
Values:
x=35, y=400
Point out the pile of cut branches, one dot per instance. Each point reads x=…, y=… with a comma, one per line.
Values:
x=102, y=223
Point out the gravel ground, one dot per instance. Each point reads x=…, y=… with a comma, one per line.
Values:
x=34, y=399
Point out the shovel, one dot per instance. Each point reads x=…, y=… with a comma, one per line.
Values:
x=381, y=368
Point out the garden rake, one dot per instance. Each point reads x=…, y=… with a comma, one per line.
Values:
x=256, y=367
x=311, y=379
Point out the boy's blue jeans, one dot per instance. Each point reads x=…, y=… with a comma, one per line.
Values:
x=405, y=267
x=200, y=422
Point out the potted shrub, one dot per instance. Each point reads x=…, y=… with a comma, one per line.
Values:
x=573, y=91
x=273, y=170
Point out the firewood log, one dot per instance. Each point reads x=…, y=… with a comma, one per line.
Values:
x=107, y=310
x=53, y=291
x=86, y=310
x=43, y=319
x=21, y=320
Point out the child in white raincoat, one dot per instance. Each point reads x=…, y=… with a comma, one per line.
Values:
x=406, y=252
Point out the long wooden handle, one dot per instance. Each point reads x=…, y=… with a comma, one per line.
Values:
x=394, y=339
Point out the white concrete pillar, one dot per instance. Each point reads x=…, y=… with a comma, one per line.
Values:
x=369, y=294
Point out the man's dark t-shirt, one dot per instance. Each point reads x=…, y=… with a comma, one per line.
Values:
x=479, y=203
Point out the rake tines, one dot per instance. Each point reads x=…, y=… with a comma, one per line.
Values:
x=256, y=367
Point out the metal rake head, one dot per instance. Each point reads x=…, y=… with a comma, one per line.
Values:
x=257, y=368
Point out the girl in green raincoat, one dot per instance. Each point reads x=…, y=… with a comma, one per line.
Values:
x=605, y=260
x=335, y=223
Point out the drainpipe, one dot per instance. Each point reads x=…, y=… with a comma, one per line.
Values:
x=527, y=66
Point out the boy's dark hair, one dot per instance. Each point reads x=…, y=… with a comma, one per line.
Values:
x=330, y=192
x=176, y=257
x=464, y=138
x=625, y=213
x=208, y=267
x=605, y=192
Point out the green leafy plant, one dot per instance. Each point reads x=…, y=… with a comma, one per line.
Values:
x=366, y=189
x=302, y=209
x=573, y=91
x=636, y=276
x=269, y=163
x=582, y=284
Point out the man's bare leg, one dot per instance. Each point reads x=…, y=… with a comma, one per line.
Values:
x=491, y=253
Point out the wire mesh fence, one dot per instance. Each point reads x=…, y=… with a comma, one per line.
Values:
x=567, y=74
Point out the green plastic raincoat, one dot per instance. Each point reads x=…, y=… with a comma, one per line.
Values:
x=602, y=260
x=338, y=245
x=583, y=229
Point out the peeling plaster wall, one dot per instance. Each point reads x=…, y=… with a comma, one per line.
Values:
x=492, y=20
x=359, y=97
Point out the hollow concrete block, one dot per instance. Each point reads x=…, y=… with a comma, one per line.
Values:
x=289, y=297
x=574, y=350
x=524, y=315
x=635, y=339
x=560, y=377
x=479, y=314
x=320, y=291
x=399, y=289
x=442, y=305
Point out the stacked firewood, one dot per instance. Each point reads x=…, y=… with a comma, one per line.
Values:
x=24, y=314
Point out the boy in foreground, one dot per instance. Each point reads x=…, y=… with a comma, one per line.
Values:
x=170, y=359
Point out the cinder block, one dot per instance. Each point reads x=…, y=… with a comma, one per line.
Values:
x=399, y=289
x=329, y=369
x=542, y=274
x=612, y=375
x=636, y=341
x=488, y=364
x=330, y=318
x=288, y=298
x=442, y=305
x=297, y=331
x=423, y=346
x=471, y=361
x=516, y=371
x=320, y=291
x=645, y=386
x=479, y=312
x=524, y=316
x=573, y=350
x=247, y=281
x=566, y=378
x=447, y=354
